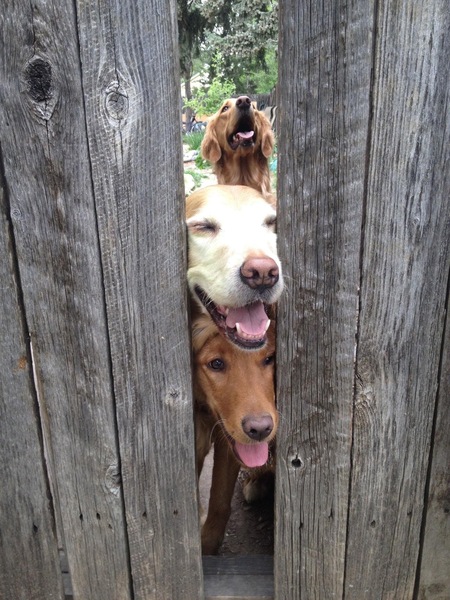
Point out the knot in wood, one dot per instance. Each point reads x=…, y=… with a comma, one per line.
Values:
x=116, y=102
x=297, y=462
x=16, y=214
x=113, y=479
x=38, y=75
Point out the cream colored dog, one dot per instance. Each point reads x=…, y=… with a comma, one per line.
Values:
x=234, y=272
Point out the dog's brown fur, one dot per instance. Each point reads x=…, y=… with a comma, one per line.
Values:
x=246, y=164
x=243, y=385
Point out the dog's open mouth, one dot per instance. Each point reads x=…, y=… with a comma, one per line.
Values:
x=242, y=138
x=245, y=326
x=244, y=135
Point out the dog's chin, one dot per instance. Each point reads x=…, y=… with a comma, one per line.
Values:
x=235, y=334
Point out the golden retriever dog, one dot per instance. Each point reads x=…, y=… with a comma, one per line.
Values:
x=238, y=142
x=234, y=410
x=234, y=272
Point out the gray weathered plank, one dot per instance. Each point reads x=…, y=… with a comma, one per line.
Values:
x=29, y=563
x=132, y=96
x=403, y=290
x=246, y=577
x=48, y=177
x=323, y=116
x=434, y=583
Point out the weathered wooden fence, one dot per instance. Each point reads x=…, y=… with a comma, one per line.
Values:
x=93, y=245
x=95, y=411
x=364, y=193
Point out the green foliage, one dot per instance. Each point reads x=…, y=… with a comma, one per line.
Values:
x=201, y=163
x=265, y=79
x=243, y=32
x=192, y=25
x=207, y=100
x=242, y=28
x=194, y=139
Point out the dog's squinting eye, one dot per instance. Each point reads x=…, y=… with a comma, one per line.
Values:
x=225, y=108
x=204, y=227
x=217, y=364
x=271, y=222
x=269, y=360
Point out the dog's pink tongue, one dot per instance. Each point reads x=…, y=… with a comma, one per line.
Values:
x=244, y=135
x=253, y=455
x=252, y=319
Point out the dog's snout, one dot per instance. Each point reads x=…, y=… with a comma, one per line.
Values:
x=257, y=428
x=260, y=272
x=243, y=102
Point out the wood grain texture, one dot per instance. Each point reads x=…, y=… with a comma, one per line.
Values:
x=29, y=564
x=48, y=177
x=323, y=119
x=132, y=96
x=245, y=577
x=434, y=581
x=403, y=291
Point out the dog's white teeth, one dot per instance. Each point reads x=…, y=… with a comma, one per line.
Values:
x=247, y=336
x=241, y=333
x=267, y=325
x=223, y=310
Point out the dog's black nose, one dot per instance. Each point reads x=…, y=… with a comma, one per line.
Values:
x=260, y=272
x=243, y=102
x=257, y=427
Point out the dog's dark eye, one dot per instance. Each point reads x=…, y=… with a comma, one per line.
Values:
x=271, y=221
x=269, y=360
x=225, y=108
x=217, y=364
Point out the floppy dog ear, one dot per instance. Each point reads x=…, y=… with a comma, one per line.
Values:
x=210, y=145
x=267, y=137
x=267, y=142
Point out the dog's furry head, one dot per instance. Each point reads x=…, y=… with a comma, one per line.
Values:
x=237, y=388
x=234, y=271
x=238, y=141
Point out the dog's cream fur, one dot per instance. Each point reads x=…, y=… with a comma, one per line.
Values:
x=228, y=225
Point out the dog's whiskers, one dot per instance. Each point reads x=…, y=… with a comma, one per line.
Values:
x=218, y=423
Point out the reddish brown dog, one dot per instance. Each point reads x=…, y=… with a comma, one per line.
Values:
x=238, y=141
x=234, y=409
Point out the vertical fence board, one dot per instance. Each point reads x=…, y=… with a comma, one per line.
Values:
x=29, y=562
x=48, y=178
x=132, y=96
x=405, y=272
x=323, y=115
x=434, y=574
